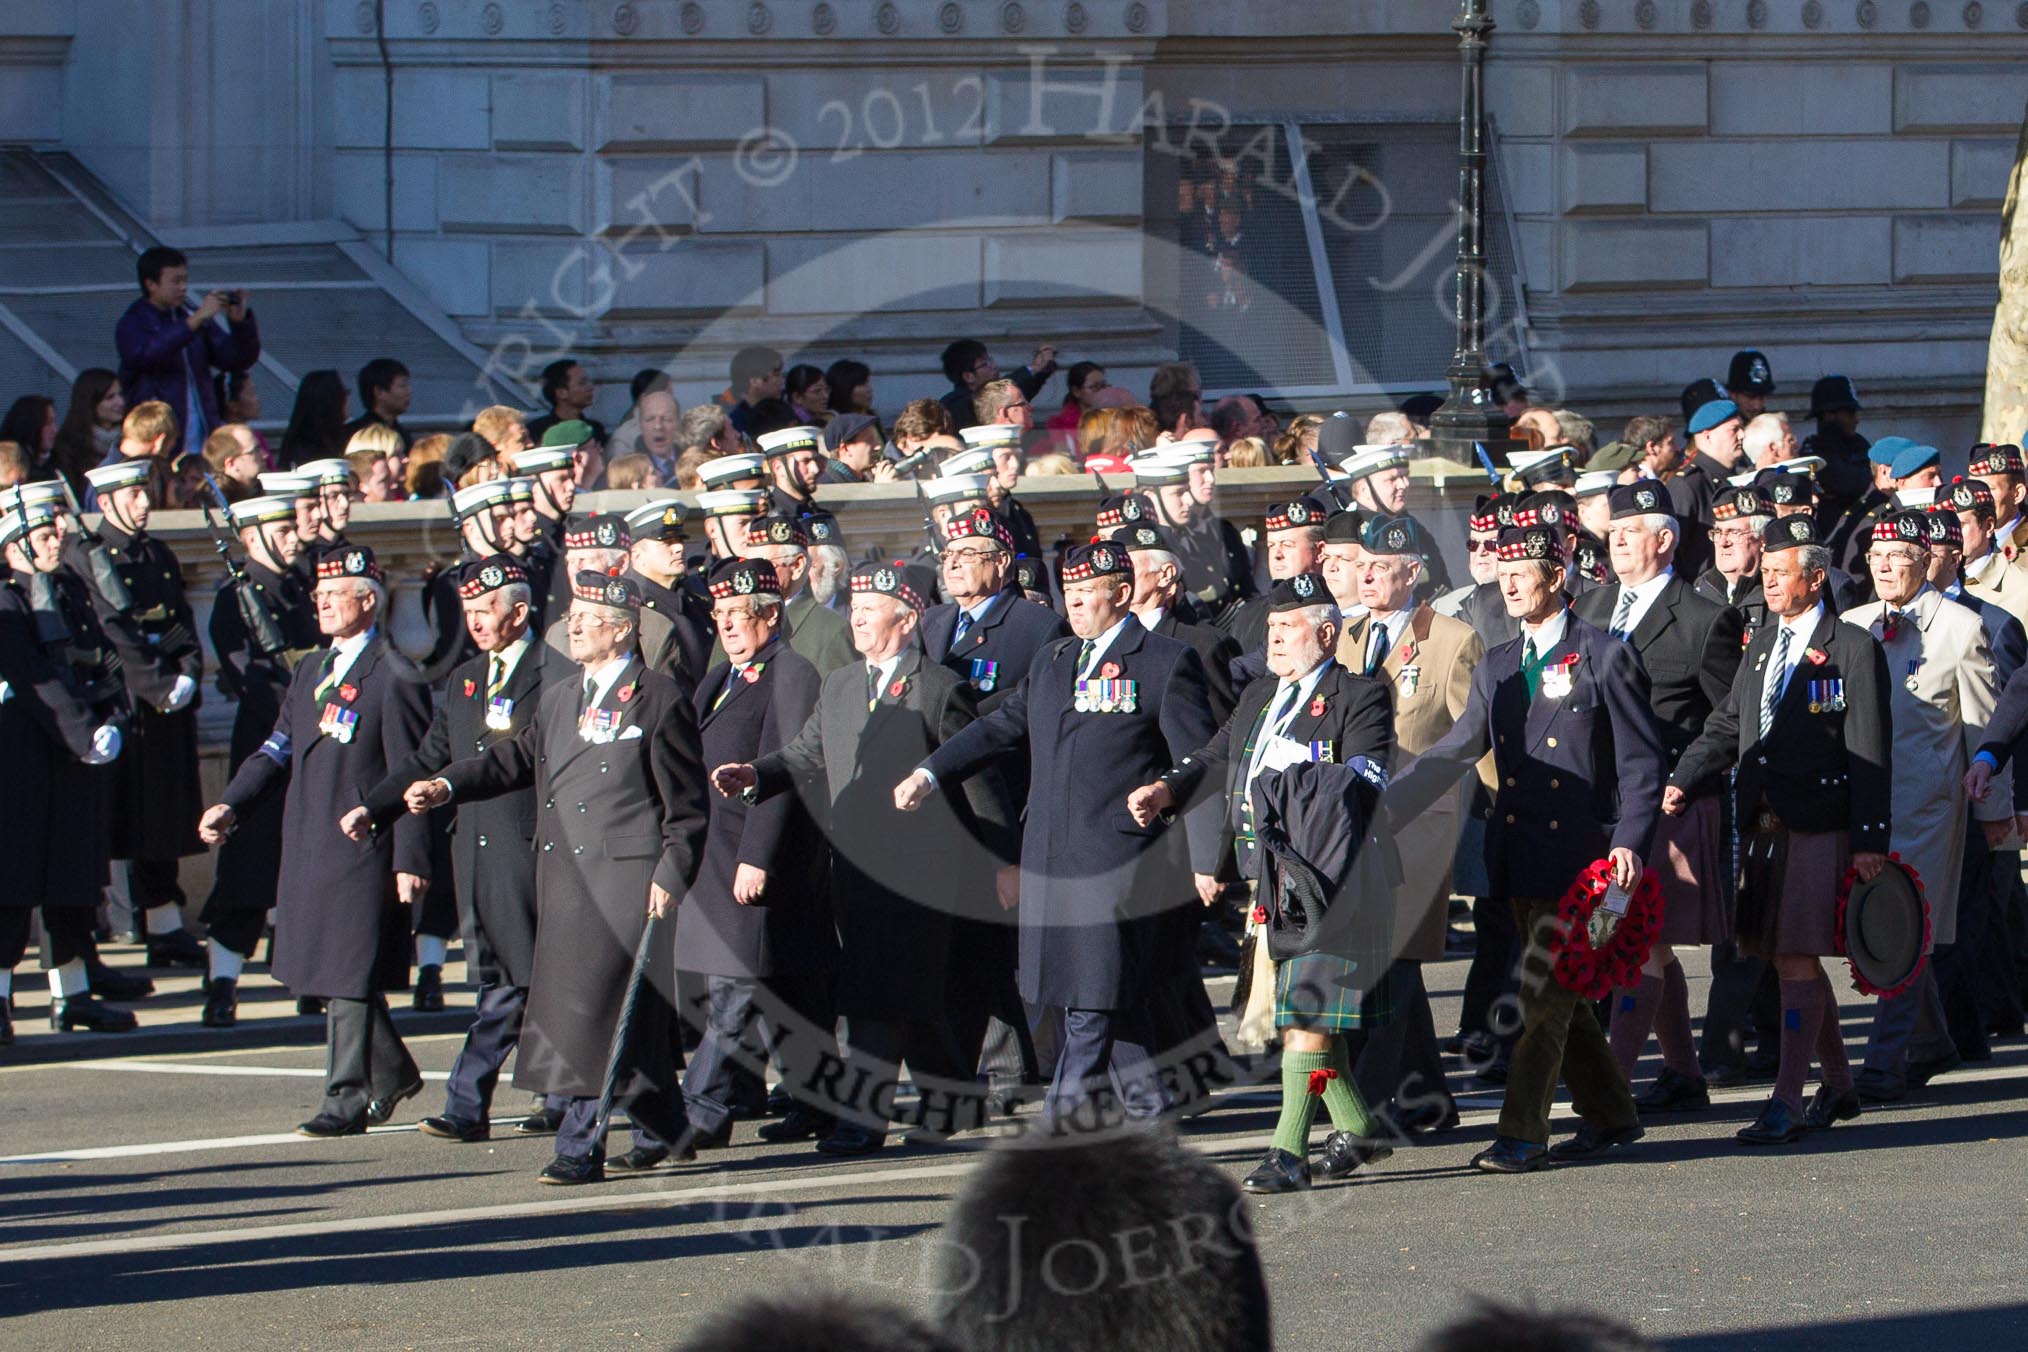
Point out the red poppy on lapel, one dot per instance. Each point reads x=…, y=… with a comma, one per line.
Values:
x=626, y=692
x=348, y=693
x=1110, y=671
x=978, y=638
x=1407, y=651
x=1570, y=661
x=1317, y=707
x=751, y=674
x=895, y=691
x=471, y=688
x=1816, y=656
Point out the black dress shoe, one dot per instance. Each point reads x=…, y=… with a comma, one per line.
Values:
x=1763, y=1064
x=110, y=983
x=1279, y=1172
x=541, y=1122
x=639, y=1160
x=1590, y=1142
x=847, y=1141
x=380, y=1109
x=324, y=1125
x=1344, y=1152
x=802, y=1124
x=1675, y=1092
x=429, y=989
x=1831, y=1106
x=696, y=1140
x=178, y=948
x=567, y=1170
x=1507, y=1155
x=221, y=1003
x=1777, y=1124
x=1922, y=1072
x=90, y=1013
x=1874, y=1089
x=311, y=1004
x=451, y=1129
x=779, y=1103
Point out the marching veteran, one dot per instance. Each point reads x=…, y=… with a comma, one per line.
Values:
x=1807, y=724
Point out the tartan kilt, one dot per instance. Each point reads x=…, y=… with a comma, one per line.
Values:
x=1320, y=992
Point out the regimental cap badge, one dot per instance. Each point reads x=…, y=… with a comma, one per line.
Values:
x=1102, y=560
x=1647, y=499
x=616, y=592
x=743, y=582
x=1799, y=529
x=1130, y=510
x=490, y=577
x=1302, y=585
x=884, y=580
x=1299, y=513
x=1396, y=536
x=606, y=535
x=1550, y=514
x=355, y=563
x=1147, y=537
x=1757, y=372
x=1537, y=545
x=781, y=532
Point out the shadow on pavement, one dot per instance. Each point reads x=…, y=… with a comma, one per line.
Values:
x=1997, y=1326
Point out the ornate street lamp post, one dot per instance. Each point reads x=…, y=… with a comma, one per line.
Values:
x=1469, y=414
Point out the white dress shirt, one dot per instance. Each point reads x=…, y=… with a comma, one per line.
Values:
x=1800, y=628
x=1645, y=596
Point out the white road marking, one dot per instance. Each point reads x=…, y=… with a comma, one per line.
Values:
x=174, y=1068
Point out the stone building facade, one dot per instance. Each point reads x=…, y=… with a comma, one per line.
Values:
x=650, y=182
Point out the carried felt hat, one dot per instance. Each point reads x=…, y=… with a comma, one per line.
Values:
x=1883, y=929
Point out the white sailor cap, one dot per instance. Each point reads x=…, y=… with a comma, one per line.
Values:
x=1159, y=469
x=337, y=470
x=41, y=493
x=1920, y=498
x=539, y=459
x=1529, y=466
x=1595, y=482
x=466, y=501
x=119, y=474
x=724, y=469
x=992, y=434
x=955, y=488
x=262, y=510
x=791, y=439
x=733, y=502
x=975, y=460
x=287, y=484
x=1370, y=459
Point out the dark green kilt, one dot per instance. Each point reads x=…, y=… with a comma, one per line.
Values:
x=1319, y=992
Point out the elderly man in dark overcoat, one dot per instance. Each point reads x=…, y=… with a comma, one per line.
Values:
x=613, y=756
x=486, y=701
x=349, y=715
x=896, y=882
x=1105, y=902
x=757, y=923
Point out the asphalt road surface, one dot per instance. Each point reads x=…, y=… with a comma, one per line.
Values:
x=152, y=1194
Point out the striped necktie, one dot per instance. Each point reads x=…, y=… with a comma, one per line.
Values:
x=1775, y=682
x=328, y=677
x=1623, y=612
x=496, y=674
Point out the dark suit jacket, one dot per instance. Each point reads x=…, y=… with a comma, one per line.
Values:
x=1579, y=775
x=1828, y=770
x=492, y=839
x=336, y=897
x=1008, y=636
x=897, y=878
x=612, y=817
x=1214, y=648
x=1356, y=718
x=741, y=721
x=1104, y=902
x=1690, y=648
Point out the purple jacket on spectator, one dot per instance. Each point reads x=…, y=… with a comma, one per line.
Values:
x=162, y=358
